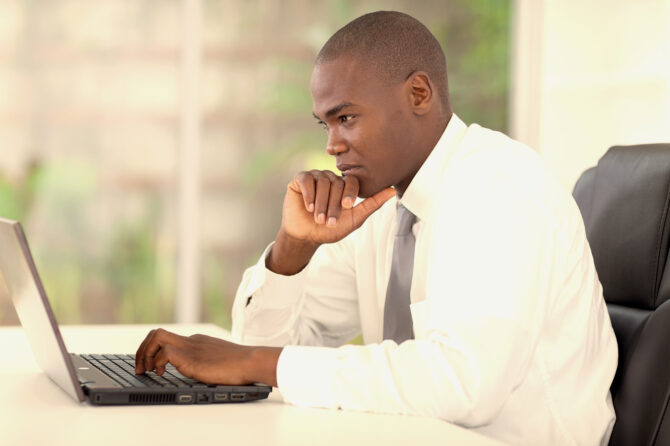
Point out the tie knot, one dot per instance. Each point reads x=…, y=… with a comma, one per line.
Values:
x=405, y=220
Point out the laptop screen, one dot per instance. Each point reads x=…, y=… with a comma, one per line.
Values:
x=32, y=306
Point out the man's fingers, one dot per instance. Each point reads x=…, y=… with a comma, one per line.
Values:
x=139, y=355
x=350, y=192
x=334, y=197
x=159, y=339
x=305, y=186
x=321, y=201
x=335, y=202
x=365, y=208
x=326, y=195
x=162, y=358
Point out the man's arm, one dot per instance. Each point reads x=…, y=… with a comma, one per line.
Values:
x=318, y=209
x=208, y=359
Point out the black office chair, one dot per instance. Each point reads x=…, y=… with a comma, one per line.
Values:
x=625, y=203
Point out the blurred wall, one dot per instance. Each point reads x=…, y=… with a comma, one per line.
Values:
x=589, y=75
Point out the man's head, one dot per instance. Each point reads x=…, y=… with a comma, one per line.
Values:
x=379, y=86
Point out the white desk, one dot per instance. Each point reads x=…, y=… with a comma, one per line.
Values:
x=34, y=411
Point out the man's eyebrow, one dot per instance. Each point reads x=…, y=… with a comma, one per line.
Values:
x=335, y=110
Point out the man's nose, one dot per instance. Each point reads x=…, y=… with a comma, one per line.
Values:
x=335, y=144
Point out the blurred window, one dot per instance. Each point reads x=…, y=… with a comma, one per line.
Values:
x=89, y=125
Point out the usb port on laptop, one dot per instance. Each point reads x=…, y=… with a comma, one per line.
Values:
x=237, y=397
x=185, y=398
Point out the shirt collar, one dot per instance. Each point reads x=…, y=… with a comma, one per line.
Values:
x=420, y=194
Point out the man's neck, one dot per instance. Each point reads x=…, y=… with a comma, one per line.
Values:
x=433, y=136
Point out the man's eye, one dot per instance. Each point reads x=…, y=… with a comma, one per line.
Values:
x=345, y=118
x=323, y=125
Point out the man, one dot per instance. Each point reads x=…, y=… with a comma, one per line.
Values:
x=465, y=266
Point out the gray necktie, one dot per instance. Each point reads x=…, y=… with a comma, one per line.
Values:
x=397, y=316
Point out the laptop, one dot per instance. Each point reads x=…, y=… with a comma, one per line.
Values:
x=101, y=379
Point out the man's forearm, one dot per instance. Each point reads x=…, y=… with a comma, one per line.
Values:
x=289, y=256
x=262, y=365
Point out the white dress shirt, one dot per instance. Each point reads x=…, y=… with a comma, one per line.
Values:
x=512, y=335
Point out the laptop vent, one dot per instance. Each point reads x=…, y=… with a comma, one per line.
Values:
x=152, y=398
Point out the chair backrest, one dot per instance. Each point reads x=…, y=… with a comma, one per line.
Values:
x=625, y=202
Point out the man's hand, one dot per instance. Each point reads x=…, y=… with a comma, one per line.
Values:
x=318, y=208
x=207, y=359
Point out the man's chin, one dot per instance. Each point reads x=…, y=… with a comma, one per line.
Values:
x=367, y=191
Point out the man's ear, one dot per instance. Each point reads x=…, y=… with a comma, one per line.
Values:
x=420, y=90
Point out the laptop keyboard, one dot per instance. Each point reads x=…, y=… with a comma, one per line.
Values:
x=121, y=368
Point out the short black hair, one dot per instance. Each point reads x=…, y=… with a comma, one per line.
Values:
x=394, y=44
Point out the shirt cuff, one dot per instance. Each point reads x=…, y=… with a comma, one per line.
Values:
x=285, y=290
x=264, y=305
x=305, y=376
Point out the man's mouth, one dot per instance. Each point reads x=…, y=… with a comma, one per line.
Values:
x=349, y=169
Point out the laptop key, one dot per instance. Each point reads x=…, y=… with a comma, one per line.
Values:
x=130, y=363
x=161, y=380
x=174, y=372
x=148, y=381
x=135, y=382
x=187, y=382
x=128, y=368
x=123, y=377
x=125, y=383
x=118, y=379
x=176, y=381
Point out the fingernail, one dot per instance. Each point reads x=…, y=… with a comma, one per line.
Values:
x=310, y=208
x=347, y=202
x=321, y=218
x=332, y=221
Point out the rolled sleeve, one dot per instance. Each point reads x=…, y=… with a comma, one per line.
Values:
x=264, y=302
